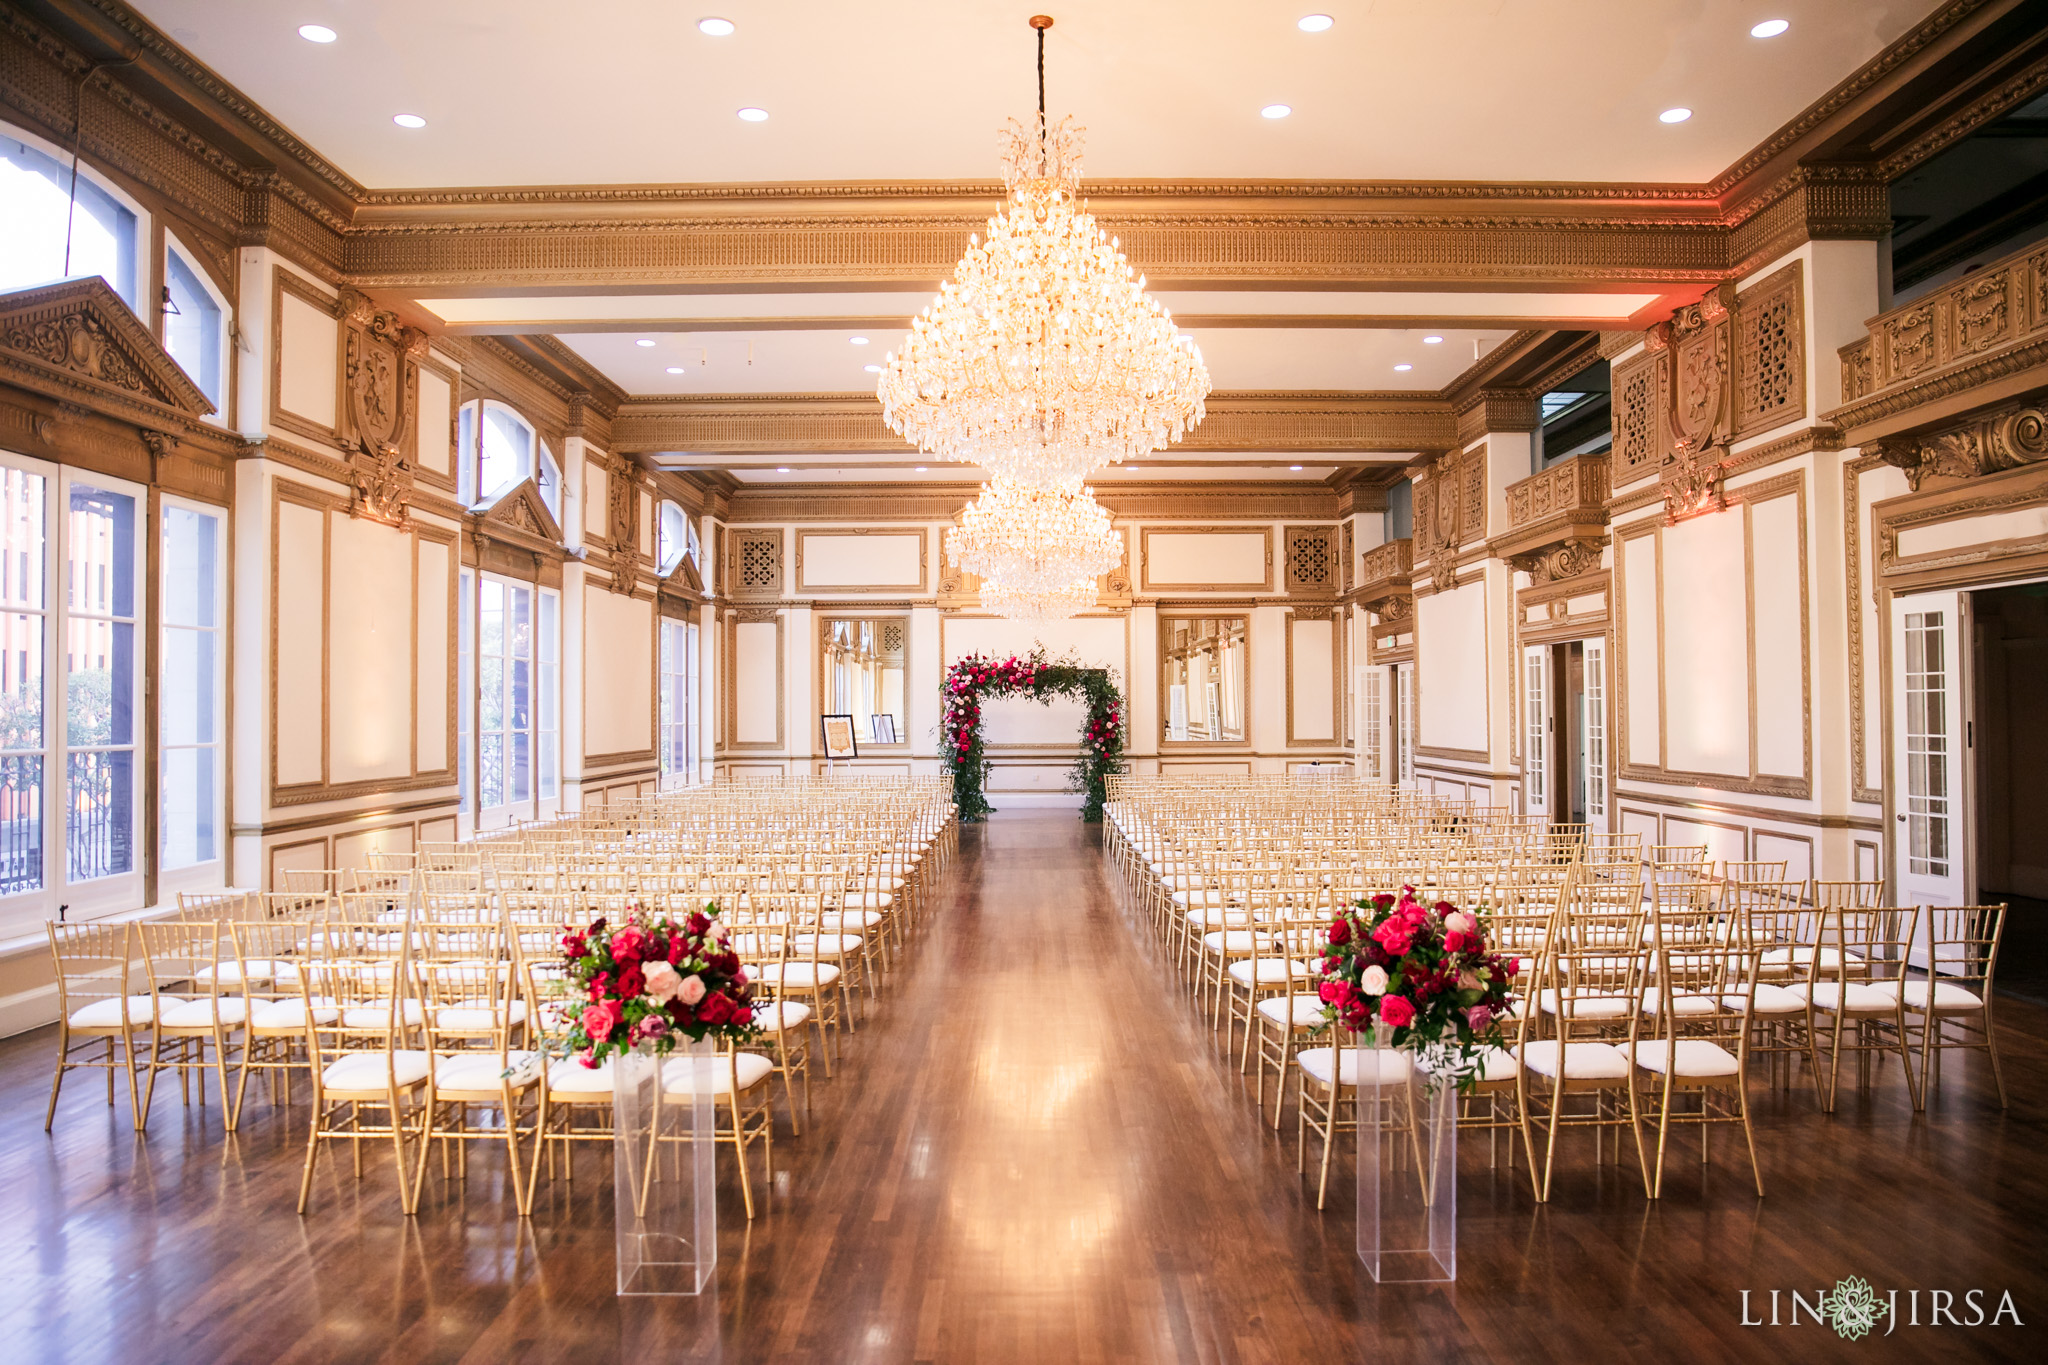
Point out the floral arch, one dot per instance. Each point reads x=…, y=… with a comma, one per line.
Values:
x=976, y=677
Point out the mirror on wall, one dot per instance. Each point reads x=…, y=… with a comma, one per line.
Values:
x=1202, y=671
x=863, y=660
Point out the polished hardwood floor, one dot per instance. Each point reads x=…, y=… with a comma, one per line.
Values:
x=1034, y=1153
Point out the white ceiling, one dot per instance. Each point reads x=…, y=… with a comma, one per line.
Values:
x=826, y=361
x=537, y=92
x=767, y=471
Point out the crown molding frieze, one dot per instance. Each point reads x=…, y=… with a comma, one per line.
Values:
x=852, y=422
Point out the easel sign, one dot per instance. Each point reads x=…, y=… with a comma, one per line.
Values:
x=838, y=735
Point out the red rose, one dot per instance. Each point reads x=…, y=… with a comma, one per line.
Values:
x=629, y=945
x=574, y=946
x=1334, y=992
x=714, y=1010
x=698, y=923
x=600, y=1020
x=632, y=981
x=1340, y=931
x=1396, y=1010
x=1454, y=942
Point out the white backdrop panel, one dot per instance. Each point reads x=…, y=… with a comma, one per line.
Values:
x=1097, y=641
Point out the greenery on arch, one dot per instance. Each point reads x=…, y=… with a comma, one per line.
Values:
x=972, y=679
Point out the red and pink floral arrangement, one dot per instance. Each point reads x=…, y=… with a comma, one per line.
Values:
x=652, y=980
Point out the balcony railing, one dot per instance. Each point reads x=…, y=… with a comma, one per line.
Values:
x=1574, y=488
x=1385, y=570
x=1990, y=309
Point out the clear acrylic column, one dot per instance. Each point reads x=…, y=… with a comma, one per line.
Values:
x=1407, y=1167
x=663, y=1173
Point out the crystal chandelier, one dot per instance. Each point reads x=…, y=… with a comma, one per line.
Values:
x=1051, y=604
x=1033, y=540
x=1043, y=358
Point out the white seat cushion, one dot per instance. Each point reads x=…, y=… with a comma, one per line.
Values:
x=1588, y=1006
x=777, y=1016
x=1318, y=1063
x=107, y=1013
x=827, y=943
x=864, y=919
x=287, y=1016
x=1946, y=997
x=478, y=1018
x=1830, y=958
x=469, y=1072
x=199, y=1013
x=411, y=1014
x=1771, y=1000
x=366, y=1073
x=1582, y=1061
x=573, y=1078
x=1860, y=999
x=255, y=969
x=1296, y=1011
x=1692, y=1057
x=1498, y=1064
x=689, y=1076
x=1271, y=971
x=1683, y=1003
x=1228, y=941
x=799, y=975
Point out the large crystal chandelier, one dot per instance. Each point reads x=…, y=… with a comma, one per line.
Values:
x=1031, y=539
x=1043, y=358
x=1050, y=604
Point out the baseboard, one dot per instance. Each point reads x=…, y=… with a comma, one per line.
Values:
x=29, y=1009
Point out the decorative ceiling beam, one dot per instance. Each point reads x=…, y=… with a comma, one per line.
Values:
x=1326, y=423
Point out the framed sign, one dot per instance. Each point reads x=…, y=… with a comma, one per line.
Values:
x=839, y=737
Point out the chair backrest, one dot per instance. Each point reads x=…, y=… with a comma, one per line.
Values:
x=1865, y=943
x=351, y=1006
x=1962, y=943
x=94, y=962
x=181, y=957
x=1594, y=969
x=213, y=905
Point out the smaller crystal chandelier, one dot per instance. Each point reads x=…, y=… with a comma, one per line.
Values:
x=1052, y=604
x=1034, y=540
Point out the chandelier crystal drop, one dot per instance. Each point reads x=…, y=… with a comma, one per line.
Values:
x=1043, y=358
x=1034, y=540
x=1051, y=604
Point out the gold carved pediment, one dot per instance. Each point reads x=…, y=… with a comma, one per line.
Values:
x=80, y=333
x=523, y=509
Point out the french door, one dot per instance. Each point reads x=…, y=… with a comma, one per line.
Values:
x=1929, y=748
x=1536, y=729
x=1404, y=724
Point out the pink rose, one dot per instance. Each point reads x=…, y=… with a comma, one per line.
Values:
x=1396, y=1011
x=652, y=1026
x=1374, y=981
x=1458, y=922
x=600, y=1020
x=691, y=990
x=663, y=981
x=1479, y=1018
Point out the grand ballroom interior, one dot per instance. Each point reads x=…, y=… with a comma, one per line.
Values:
x=780, y=680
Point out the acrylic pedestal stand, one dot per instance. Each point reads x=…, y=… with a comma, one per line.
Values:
x=1407, y=1167
x=663, y=1148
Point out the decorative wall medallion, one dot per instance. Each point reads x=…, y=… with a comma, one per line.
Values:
x=1396, y=609
x=622, y=524
x=380, y=386
x=1697, y=340
x=1556, y=562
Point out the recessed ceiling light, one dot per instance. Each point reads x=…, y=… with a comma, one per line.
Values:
x=1770, y=28
x=320, y=33
x=919, y=469
x=1295, y=468
x=644, y=341
x=676, y=369
x=408, y=120
x=1432, y=341
x=1276, y=111
x=782, y=469
x=753, y=115
x=872, y=369
x=858, y=341
x=716, y=28
x=1404, y=366
x=1314, y=23
x=1678, y=115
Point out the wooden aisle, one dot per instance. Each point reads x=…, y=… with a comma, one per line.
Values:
x=1034, y=1153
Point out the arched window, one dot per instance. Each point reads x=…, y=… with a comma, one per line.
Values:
x=673, y=541
x=498, y=448
x=36, y=215
x=195, y=331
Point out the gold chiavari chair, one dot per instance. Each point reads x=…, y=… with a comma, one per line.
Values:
x=1285, y=1017
x=99, y=1003
x=1587, y=990
x=198, y=1028
x=327, y=882
x=799, y=974
x=474, y=1069
x=761, y=940
x=568, y=1090
x=1951, y=1006
x=1698, y=1031
x=1854, y=983
x=1327, y=1100
x=212, y=905
x=1765, y=917
x=738, y=1082
x=274, y=1030
x=359, y=1068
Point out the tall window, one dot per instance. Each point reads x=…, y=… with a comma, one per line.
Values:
x=194, y=333
x=513, y=648
x=190, y=695
x=37, y=214
x=672, y=539
x=465, y=694
x=79, y=845
x=497, y=448
x=678, y=702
